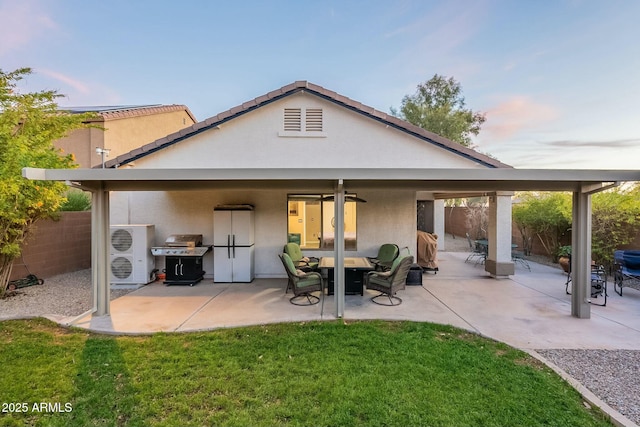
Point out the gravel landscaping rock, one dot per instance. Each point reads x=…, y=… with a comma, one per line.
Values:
x=63, y=295
x=612, y=375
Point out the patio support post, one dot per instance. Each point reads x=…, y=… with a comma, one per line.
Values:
x=498, y=262
x=338, y=248
x=581, y=255
x=438, y=222
x=100, y=250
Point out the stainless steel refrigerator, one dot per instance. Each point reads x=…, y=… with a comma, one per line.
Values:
x=233, y=243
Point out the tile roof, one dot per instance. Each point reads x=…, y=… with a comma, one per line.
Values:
x=304, y=86
x=115, y=112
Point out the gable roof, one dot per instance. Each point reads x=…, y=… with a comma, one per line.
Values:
x=307, y=87
x=114, y=112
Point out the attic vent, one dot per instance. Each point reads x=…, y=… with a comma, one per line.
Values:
x=292, y=119
x=303, y=123
x=313, y=122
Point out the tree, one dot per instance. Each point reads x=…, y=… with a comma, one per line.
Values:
x=438, y=106
x=545, y=216
x=29, y=124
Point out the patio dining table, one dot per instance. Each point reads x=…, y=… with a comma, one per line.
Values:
x=355, y=269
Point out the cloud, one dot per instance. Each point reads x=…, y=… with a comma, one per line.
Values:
x=75, y=84
x=571, y=154
x=20, y=23
x=612, y=143
x=514, y=115
x=75, y=92
x=432, y=38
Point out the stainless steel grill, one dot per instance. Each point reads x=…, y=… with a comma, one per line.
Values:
x=181, y=245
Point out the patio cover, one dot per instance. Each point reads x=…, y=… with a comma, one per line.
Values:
x=445, y=183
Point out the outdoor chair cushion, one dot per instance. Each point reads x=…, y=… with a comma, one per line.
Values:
x=388, y=278
x=300, y=261
x=387, y=253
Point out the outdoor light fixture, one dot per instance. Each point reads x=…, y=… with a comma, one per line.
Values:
x=103, y=152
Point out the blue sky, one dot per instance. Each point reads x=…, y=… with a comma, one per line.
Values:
x=559, y=80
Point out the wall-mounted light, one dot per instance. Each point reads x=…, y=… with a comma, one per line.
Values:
x=103, y=152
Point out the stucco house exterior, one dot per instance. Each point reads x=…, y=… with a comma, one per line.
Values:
x=303, y=142
x=125, y=128
x=300, y=126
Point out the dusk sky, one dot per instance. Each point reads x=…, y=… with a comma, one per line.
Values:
x=559, y=80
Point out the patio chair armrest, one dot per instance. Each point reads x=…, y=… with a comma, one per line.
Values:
x=380, y=273
x=313, y=273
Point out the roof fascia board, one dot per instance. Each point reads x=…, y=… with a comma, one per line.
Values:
x=584, y=176
x=300, y=180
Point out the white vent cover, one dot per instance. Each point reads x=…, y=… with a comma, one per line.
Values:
x=292, y=119
x=313, y=122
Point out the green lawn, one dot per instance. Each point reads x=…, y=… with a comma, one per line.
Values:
x=308, y=374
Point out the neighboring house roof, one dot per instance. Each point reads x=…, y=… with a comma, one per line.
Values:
x=115, y=112
x=307, y=87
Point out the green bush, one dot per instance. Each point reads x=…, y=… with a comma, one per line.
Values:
x=76, y=200
x=545, y=217
x=615, y=221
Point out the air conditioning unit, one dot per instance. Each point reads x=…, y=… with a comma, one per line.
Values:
x=131, y=261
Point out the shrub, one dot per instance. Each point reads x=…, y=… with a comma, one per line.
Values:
x=615, y=222
x=76, y=200
x=546, y=217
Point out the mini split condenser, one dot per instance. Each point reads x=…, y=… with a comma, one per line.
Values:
x=131, y=261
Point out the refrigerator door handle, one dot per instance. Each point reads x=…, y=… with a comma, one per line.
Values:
x=234, y=245
x=228, y=246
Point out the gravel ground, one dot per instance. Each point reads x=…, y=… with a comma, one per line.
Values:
x=612, y=375
x=63, y=295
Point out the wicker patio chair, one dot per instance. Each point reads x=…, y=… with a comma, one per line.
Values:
x=303, y=284
x=387, y=253
x=389, y=282
x=300, y=261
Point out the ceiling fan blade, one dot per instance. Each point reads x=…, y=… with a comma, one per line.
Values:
x=346, y=199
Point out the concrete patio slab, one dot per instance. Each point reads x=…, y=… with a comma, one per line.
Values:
x=529, y=310
x=241, y=304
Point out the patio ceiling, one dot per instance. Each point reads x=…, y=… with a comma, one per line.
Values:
x=441, y=181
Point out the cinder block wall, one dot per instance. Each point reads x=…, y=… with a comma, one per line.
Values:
x=57, y=247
